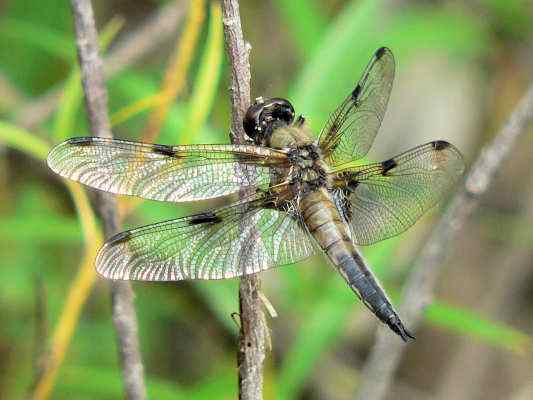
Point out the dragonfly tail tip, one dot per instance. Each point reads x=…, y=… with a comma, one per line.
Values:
x=401, y=330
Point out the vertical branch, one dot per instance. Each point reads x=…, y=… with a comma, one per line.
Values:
x=238, y=52
x=251, y=353
x=124, y=318
x=385, y=356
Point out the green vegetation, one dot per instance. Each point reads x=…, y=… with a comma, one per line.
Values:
x=188, y=337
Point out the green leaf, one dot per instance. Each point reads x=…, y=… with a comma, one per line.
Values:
x=468, y=323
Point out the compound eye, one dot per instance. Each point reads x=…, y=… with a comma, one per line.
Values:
x=251, y=122
x=281, y=110
x=266, y=115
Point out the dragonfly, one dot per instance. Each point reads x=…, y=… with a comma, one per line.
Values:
x=290, y=194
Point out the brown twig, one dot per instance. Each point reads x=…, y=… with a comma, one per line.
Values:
x=385, y=356
x=238, y=52
x=158, y=28
x=124, y=318
x=251, y=353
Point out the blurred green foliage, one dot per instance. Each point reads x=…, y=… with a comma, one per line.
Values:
x=187, y=335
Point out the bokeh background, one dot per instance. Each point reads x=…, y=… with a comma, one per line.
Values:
x=461, y=69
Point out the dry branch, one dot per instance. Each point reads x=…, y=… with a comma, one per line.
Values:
x=251, y=352
x=386, y=354
x=124, y=318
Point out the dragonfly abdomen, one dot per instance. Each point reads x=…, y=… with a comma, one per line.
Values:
x=362, y=281
x=331, y=233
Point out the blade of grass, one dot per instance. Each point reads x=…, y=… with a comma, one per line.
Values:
x=72, y=96
x=208, y=77
x=77, y=296
x=336, y=54
x=205, y=84
x=24, y=141
x=176, y=74
x=83, y=283
x=406, y=33
x=106, y=383
x=305, y=20
x=132, y=85
x=137, y=107
x=47, y=228
x=468, y=323
x=39, y=36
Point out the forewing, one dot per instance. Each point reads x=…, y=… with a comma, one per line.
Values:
x=240, y=239
x=351, y=129
x=384, y=199
x=167, y=173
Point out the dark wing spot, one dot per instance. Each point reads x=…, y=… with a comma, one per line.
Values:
x=356, y=92
x=334, y=127
x=208, y=217
x=81, y=141
x=380, y=52
x=388, y=165
x=440, y=145
x=119, y=238
x=163, y=149
x=352, y=185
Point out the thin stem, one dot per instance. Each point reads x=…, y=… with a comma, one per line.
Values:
x=238, y=52
x=251, y=353
x=124, y=318
x=386, y=354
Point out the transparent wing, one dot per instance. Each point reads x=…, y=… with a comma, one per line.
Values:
x=384, y=199
x=352, y=127
x=240, y=239
x=167, y=173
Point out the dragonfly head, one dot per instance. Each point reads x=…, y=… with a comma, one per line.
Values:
x=264, y=116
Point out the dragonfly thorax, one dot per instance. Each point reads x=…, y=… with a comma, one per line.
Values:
x=308, y=171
